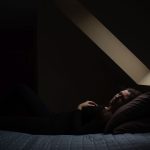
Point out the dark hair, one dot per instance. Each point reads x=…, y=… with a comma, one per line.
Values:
x=133, y=93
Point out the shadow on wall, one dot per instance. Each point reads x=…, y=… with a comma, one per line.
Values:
x=18, y=43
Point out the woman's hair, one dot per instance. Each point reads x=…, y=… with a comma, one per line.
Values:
x=133, y=93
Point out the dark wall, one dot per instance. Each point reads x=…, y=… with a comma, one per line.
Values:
x=72, y=68
x=17, y=43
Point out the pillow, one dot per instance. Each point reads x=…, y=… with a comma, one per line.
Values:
x=136, y=126
x=137, y=108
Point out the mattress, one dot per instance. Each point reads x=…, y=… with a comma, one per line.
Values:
x=23, y=141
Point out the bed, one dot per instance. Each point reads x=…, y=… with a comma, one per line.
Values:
x=128, y=129
x=22, y=141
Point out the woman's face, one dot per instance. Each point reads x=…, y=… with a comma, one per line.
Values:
x=122, y=95
x=119, y=99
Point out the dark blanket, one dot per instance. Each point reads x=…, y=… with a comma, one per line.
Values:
x=89, y=120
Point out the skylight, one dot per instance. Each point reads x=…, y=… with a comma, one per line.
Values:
x=105, y=40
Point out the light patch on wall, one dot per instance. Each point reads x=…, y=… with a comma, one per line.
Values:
x=105, y=40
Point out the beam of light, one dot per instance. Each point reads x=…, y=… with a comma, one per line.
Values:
x=105, y=40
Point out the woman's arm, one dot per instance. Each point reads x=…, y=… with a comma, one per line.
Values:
x=84, y=116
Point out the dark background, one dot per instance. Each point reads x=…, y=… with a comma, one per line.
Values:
x=18, y=30
x=40, y=47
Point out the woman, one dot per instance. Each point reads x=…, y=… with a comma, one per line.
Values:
x=95, y=117
x=89, y=117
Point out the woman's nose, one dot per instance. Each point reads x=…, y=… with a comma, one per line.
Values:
x=117, y=95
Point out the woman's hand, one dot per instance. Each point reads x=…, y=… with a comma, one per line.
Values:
x=86, y=104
